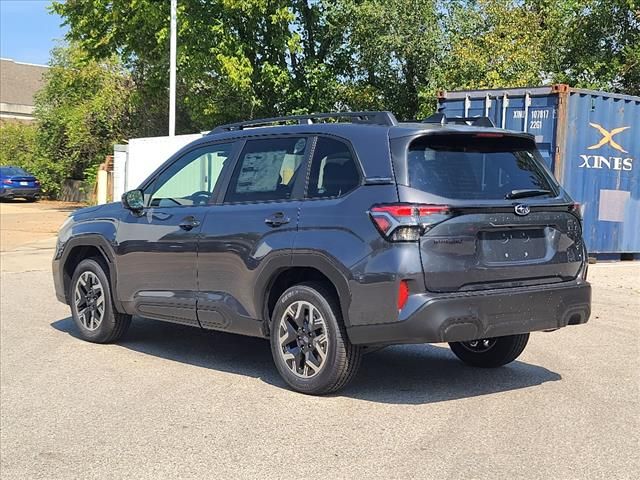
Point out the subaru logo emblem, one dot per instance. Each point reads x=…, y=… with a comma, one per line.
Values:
x=522, y=210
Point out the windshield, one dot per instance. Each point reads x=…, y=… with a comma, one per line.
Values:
x=10, y=171
x=476, y=166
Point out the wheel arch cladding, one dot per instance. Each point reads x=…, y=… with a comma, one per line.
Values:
x=80, y=250
x=285, y=278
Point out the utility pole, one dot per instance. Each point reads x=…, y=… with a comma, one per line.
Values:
x=172, y=68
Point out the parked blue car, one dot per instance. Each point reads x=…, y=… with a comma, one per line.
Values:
x=17, y=183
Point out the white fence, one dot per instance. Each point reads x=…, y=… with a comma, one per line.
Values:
x=134, y=162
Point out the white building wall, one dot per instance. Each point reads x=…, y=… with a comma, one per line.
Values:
x=119, y=171
x=147, y=154
x=134, y=162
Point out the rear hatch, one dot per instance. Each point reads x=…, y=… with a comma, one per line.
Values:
x=508, y=223
x=23, y=181
x=17, y=177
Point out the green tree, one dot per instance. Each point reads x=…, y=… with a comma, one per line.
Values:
x=17, y=143
x=595, y=43
x=494, y=43
x=19, y=147
x=585, y=43
x=395, y=49
x=236, y=58
x=82, y=110
x=242, y=59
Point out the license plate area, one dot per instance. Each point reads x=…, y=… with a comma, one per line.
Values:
x=24, y=183
x=513, y=245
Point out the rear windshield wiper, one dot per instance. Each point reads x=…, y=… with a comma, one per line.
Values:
x=530, y=192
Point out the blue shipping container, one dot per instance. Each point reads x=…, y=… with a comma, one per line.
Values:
x=589, y=139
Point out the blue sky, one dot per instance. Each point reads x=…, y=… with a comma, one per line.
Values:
x=28, y=31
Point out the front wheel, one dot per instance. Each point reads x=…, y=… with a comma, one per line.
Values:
x=91, y=304
x=490, y=352
x=309, y=342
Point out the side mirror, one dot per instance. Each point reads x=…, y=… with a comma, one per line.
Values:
x=133, y=200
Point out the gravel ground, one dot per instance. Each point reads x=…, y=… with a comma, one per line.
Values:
x=175, y=402
x=23, y=223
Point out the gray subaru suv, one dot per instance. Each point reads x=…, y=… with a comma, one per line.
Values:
x=333, y=234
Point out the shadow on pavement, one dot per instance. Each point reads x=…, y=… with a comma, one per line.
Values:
x=407, y=374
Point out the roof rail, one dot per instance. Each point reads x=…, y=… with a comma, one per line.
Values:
x=442, y=119
x=372, y=118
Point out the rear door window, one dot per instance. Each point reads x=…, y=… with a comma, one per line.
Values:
x=333, y=170
x=267, y=170
x=475, y=167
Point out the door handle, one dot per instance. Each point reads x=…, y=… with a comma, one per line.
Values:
x=277, y=219
x=189, y=223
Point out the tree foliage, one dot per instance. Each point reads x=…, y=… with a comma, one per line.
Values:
x=236, y=58
x=395, y=49
x=82, y=110
x=19, y=147
x=600, y=43
x=495, y=43
x=241, y=59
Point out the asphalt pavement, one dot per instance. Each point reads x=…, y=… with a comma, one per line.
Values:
x=175, y=402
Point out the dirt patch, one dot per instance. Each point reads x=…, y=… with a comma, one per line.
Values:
x=23, y=223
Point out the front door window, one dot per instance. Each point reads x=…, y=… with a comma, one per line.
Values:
x=192, y=179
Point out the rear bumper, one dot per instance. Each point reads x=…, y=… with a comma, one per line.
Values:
x=428, y=318
x=19, y=192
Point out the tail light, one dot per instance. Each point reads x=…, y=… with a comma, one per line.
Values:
x=37, y=182
x=489, y=135
x=7, y=181
x=404, y=222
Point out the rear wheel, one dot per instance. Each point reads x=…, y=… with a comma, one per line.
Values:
x=91, y=304
x=309, y=343
x=31, y=199
x=490, y=352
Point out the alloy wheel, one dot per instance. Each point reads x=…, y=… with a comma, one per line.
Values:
x=303, y=341
x=89, y=300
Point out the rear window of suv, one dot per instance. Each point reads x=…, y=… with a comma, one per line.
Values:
x=478, y=166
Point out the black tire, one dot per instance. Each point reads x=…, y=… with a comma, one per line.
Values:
x=342, y=358
x=502, y=350
x=31, y=199
x=113, y=325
